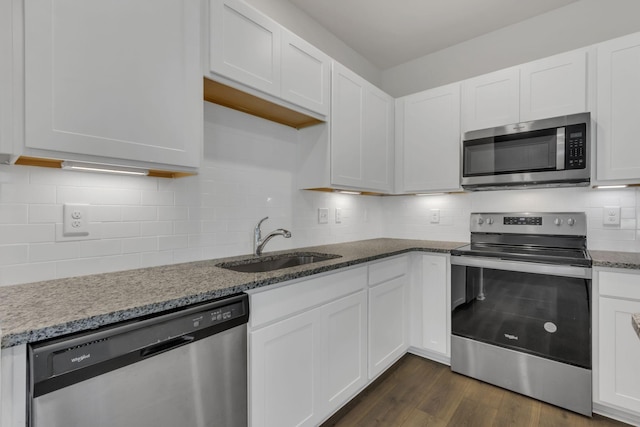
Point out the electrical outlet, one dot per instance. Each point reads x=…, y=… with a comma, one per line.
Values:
x=75, y=219
x=434, y=216
x=338, y=215
x=323, y=215
x=611, y=215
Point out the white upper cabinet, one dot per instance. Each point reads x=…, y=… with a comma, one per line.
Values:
x=491, y=100
x=618, y=151
x=250, y=49
x=245, y=45
x=553, y=86
x=362, y=140
x=114, y=80
x=428, y=140
x=549, y=87
x=306, y=74
x=6, y=80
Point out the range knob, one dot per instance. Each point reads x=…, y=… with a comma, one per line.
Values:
x=480, y=221
x=490, y=221
x=557, y=221
x=571, y=222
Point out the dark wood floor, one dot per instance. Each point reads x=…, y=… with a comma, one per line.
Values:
x=419, y=392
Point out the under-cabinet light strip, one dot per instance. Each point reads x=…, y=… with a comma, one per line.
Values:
x=91, y=167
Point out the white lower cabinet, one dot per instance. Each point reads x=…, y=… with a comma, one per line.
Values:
x=436, y=305
x=284, y=371
x=618, y=345
x=388, y=313
x=307, y=349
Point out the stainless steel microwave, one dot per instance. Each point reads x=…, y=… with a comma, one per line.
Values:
x=552, y=152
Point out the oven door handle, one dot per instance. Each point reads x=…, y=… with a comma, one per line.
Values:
x=524, y=267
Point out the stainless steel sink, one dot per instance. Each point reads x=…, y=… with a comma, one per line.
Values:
x=275, y=262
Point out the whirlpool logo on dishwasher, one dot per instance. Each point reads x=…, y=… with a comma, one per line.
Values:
x=80, y=358
x=511, y=337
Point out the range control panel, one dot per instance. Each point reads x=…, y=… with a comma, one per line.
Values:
x=548, y=223
x=522, y=220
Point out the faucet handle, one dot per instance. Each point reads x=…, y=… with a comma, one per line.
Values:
x=261, y=221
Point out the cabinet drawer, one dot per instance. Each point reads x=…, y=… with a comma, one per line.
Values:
x=620, y=285
x=273, y=304
x=386, y=270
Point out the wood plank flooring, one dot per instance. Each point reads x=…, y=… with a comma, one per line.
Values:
x=418, y=392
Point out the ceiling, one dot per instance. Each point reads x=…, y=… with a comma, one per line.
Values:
x=391, y=32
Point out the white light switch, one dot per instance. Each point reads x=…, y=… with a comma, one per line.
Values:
x=434, y=216
x=611, y=215
x=338, y=215
x=323, y=215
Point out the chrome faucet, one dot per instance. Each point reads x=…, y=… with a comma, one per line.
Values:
x=259, y=242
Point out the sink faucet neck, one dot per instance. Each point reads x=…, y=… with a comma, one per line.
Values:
x=259, y=243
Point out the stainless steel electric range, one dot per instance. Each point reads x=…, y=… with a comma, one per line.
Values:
x=521, y=306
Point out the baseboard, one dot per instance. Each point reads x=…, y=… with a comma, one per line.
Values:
x=617, y=414
x=431, y=355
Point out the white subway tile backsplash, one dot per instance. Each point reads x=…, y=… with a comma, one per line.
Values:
x=139, y=213
x=94, y=248
x=25, y=273
x=173, y=242
x=27, y=193
x=14, y=214
x=155, y=228
x=44, y=213
x=53, y=251
x=139, y=245
x=29, y=233
x=112, y=230
x=157, y=198
x=14, y=254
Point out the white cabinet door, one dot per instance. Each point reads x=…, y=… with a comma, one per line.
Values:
x=245, y=45
x=429, y=148
x=619, y=354
x=284, y=365
x=618, y=345
x=361, y=133
x=306, y=74
x=618, y=151
x=344, y=350
x=378, y=139
x=491, y=100
x=436, y=328
x=116, y=79
x=554, y=86
x=388, y=311
x=6, y=80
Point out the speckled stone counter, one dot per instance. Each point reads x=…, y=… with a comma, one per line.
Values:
x=41, y=310
x=630, y=260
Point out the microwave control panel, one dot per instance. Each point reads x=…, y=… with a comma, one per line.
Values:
x=576, y=154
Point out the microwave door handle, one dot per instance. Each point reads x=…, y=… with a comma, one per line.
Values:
x=560, y=148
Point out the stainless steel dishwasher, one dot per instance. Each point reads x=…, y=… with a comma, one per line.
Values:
x=185, y=368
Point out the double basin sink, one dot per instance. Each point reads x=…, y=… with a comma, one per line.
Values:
x=275, y=262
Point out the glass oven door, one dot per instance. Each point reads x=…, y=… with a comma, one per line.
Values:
x=531, y=311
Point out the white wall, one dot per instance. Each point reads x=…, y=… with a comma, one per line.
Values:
x=297, y=21
x=408, y=216
x=247, y=174
x=576, y=25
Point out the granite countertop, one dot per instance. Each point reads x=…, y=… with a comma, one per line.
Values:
x=41, y=310
x=612, y=259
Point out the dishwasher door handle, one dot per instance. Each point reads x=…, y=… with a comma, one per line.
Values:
x=166, y=345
